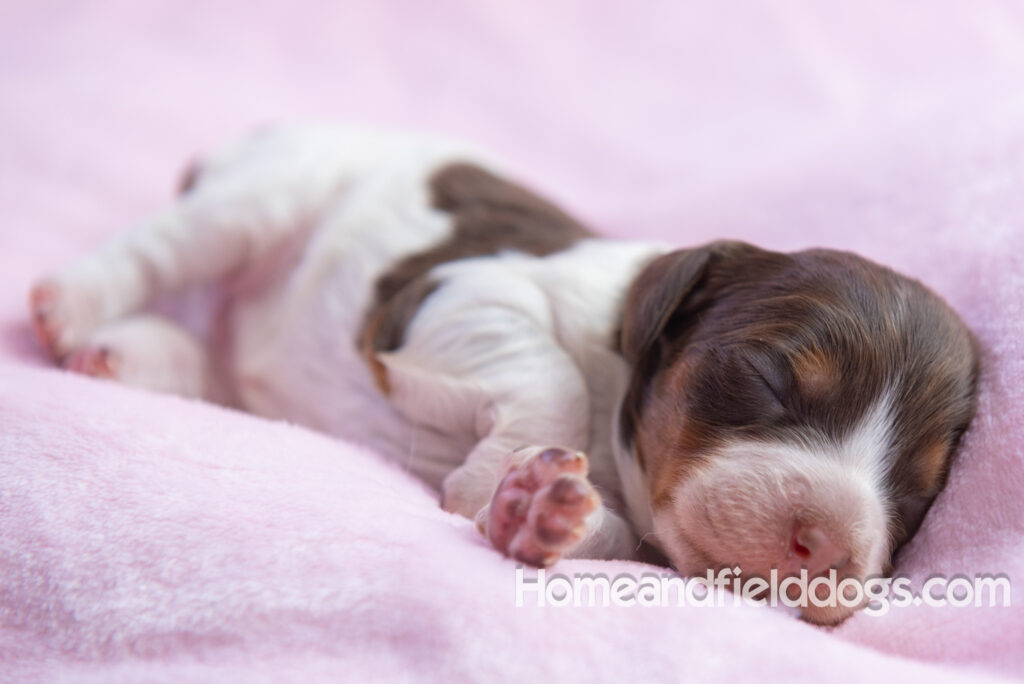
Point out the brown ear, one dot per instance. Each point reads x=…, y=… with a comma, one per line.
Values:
x=663, y=301
x=656, y=294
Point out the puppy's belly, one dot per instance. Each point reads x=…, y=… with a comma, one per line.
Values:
x=292, y=328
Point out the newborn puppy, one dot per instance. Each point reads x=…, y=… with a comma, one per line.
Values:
x=573, y=395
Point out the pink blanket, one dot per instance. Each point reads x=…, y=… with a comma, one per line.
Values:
x=148, y=538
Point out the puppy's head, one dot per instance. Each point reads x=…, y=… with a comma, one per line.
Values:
x=791, y=410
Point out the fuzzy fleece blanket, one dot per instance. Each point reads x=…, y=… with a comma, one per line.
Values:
x=149, y=538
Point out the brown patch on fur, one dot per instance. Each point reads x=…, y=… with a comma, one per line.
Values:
x=652, y=301
x=673, y=447
x=817, y=375
x=932, y=466
x=385, y=327
x=489, y=215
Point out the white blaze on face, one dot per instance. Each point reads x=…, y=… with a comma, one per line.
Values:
x=814, y=503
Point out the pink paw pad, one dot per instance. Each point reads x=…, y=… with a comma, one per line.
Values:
x=45, y=321
x=98, y=362
x=539, y=509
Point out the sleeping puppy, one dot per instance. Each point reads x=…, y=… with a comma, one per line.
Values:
x=573, y=395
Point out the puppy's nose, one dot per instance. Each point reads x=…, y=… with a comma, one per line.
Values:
x=816, y=550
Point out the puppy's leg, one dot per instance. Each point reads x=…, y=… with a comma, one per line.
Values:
x=199, y=239
x=481, y=356
x=241, y=205
x=149, y=352
x=174, y=249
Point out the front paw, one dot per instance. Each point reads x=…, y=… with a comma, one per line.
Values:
x=539, y=509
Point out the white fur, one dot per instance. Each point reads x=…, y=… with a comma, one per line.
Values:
x=744, y=502
x=295, y=225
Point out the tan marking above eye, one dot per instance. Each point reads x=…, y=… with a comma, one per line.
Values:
x=930, y=466
x=817, y=374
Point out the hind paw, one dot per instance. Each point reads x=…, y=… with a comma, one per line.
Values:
x=61, y=319
x=97, y=361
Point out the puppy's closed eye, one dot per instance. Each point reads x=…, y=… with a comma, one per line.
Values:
x=773, y=373
x=739, y=386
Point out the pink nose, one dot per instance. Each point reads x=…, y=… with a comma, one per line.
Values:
x=814, y=549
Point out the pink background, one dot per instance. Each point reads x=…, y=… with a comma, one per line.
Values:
x=146, y=537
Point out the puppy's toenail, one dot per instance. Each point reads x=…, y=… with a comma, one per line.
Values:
x=560, y=455
x=553, y=455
